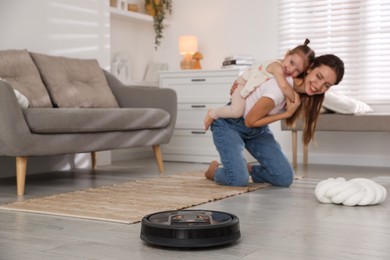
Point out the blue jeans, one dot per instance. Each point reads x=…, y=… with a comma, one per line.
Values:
x=231, y=137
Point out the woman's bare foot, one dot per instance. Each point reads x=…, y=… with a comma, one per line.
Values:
x=209, y=174
x=208, y=120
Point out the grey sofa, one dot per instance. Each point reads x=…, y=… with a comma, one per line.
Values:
x=75, y=107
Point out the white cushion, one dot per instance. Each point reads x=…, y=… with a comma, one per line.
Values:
x=22, y=100
x=343, y=104
x=355, y=192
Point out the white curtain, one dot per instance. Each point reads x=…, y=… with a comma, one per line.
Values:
x=358, y=31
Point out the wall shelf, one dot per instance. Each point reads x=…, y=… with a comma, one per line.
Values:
x=115, y=12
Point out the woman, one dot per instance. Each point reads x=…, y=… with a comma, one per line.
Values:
x=251, y=132
x=294, y=63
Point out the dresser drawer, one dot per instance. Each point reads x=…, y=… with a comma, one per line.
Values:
x=191, y=116
x=200, y=86
x=211, y=92
x=198, y=76
x=191, y=146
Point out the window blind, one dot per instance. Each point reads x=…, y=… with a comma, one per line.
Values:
x=358, y=31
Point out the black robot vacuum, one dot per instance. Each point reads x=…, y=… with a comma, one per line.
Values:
x=190, y=228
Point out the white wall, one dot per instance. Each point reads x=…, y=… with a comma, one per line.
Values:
x=135, y=38
x=73, y=28
x=223, y=28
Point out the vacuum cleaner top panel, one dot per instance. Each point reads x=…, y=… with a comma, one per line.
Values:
x=188, y=218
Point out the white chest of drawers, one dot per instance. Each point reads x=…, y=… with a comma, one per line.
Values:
x=197, y=91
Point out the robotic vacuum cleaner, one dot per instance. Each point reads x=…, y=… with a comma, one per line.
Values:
x=190, y=228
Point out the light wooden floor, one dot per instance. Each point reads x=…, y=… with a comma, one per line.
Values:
x=276, y=223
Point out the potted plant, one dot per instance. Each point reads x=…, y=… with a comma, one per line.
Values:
x=158, y=9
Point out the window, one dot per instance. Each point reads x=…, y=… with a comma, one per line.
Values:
x=358, y=31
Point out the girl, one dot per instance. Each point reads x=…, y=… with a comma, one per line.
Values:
x=294, y=64
x=251, y=132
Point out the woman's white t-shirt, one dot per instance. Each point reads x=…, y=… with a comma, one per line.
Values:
x=271, y=90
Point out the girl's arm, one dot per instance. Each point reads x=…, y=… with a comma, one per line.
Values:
x=275, y=68
x=258, y=115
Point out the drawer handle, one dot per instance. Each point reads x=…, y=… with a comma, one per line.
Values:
x=198, y=132
x=198, y=106
x=198, y=80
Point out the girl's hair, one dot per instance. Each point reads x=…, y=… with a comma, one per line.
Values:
x=305, y=51
x=311, y=105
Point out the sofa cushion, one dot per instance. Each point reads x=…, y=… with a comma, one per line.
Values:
x=75, y=82
x=19, y=70
x=93, y=120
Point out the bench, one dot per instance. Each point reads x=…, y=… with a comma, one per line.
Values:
x=333, y=122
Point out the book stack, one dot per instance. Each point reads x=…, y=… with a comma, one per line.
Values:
x=237, y=61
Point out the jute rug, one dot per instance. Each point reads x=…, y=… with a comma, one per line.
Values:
x=129, y=202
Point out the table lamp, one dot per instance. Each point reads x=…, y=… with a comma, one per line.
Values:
x=188, y=45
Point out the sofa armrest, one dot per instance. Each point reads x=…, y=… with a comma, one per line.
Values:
x=143, y=97
x=13, y=126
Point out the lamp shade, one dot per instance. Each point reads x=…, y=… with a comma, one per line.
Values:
x=188, y=44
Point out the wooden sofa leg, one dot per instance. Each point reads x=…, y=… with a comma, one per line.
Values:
x=158, y=155
x=21, y=167
x=93, y=160
x=294, y=148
